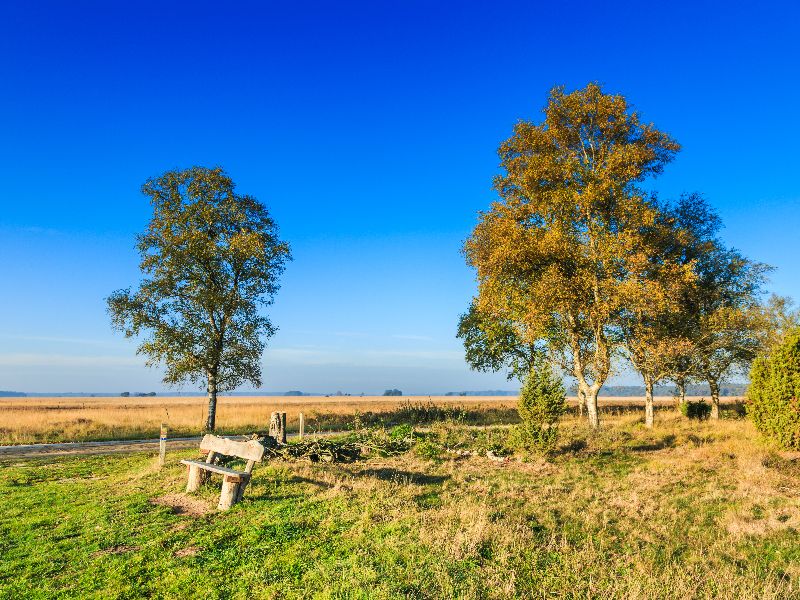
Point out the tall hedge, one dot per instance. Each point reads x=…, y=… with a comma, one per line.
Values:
x=774, y=394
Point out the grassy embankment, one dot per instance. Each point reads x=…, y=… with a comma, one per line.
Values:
x=686, y=510
x=41, y=420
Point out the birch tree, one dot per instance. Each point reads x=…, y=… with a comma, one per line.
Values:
x=211, y=259
x=659, y=332
x=728, y=321
x=565, y=247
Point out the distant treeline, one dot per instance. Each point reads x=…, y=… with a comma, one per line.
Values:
x=700, y=389
x=7, y=394
x=695, y=389
x=485, y=393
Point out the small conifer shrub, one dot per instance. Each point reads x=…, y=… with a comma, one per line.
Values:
x=541, y=404
x=773, y=399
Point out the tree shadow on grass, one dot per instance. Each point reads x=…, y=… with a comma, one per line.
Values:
x=668, y=441
x=401, y=476
x=573, y=447
x=322, y=484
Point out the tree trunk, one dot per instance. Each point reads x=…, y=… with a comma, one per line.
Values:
x=590, y=397
x=212, y=402
x=648, y=401
x=277, y=427
x=680, y=383
x=713, y=385
x=581, y=403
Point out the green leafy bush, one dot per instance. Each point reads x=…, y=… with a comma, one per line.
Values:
x=774, y=393
x=542, y=401
x=696, y=410
x=429, y=412
x=401, y=432
x=428, y=449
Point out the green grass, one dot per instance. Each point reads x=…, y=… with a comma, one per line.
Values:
x=688, y=510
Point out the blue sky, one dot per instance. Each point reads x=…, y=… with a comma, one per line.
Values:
x=370, y=131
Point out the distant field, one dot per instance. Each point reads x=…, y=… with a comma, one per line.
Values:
x=35, y=420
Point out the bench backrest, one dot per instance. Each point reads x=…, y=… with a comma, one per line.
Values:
x=250, y=450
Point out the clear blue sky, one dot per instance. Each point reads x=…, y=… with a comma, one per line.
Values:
x=370, y=131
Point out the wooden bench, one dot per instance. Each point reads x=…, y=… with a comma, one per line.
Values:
x=233, y=482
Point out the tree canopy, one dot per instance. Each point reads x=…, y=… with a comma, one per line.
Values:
x=569, y=243
x=492, y=345
x=211, y=259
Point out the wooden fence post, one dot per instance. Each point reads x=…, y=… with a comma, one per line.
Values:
x=302, y=426
x=162, y=445
x=277, y=427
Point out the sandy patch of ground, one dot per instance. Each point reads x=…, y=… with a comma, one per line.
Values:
x=181, y=504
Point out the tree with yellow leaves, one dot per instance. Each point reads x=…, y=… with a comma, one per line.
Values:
x=568, y=246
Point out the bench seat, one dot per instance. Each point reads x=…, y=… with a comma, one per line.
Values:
x=231, y=473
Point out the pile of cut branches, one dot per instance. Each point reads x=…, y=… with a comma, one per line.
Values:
x=348, y=448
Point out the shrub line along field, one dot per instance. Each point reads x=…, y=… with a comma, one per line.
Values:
x=77, y=419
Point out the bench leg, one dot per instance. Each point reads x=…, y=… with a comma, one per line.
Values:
x=230, y=493
x=195, y=479
x=242, y=486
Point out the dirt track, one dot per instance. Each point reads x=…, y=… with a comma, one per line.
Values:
x=87, y=448
x=106, y=447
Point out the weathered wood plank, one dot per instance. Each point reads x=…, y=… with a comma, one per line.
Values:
x=229, y=494
x=242, y=486
x=162, y=445
x=194, y=482
x=199, y=465
x=250, y=450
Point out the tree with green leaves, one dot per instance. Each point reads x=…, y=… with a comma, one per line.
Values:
x=730, y=324
x=699, y=225
x=492, y=345
x=211, y=259
x=566, y=246
x=780, y=317
x=713, y=325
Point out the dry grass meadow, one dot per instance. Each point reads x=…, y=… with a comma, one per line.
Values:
x=686, y=510
x=56, y=419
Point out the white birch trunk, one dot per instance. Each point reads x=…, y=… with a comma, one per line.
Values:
x=648, y=402
x=212, y=402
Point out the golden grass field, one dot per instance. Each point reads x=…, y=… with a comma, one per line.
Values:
x=57, y=419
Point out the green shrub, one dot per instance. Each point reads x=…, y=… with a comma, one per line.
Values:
x=401, y=432
x=428, y=449
x=542, y=401
x=696, y=410
x=774, y=394
x=428, y=412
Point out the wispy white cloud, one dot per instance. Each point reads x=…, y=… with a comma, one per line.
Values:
x=352, y=334
x=61, y=340
x=23, y=359
x=366, y=357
